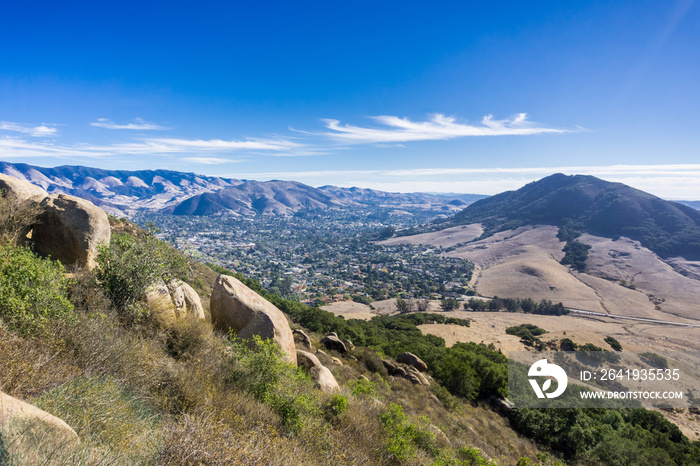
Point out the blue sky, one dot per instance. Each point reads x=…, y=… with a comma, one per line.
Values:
x=401, y=96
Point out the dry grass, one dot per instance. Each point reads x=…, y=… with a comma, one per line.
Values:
x=160, y=392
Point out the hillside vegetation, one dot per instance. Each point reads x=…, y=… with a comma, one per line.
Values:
x=595, y=206
x=140, y=390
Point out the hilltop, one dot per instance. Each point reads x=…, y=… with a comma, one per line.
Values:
x=594, y=206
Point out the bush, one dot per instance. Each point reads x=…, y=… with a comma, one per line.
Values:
x=654, y=360
x=32, y=290
x=404, y=307
x=401, y=433
x=129, y=265
x=361, y=387
x=449, y=304
x=16, y=218
x=258, y=367
x=371, y=360
x=575, y=255
x=337, y=406
x=473, y=371
x=614, y=344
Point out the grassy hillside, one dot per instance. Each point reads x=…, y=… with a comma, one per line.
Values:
x=141, y=391
x=597, y=207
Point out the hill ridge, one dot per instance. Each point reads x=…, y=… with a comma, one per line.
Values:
x=594, y=206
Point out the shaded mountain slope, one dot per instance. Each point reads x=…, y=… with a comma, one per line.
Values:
x=118, y=191
x=254, y=197
x=595, y=206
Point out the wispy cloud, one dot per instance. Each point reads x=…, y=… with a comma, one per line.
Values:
x=209, y=160
x=16, y=147
x=138, y=124
x=176, y=145
x=438, y=127
x=36, y=131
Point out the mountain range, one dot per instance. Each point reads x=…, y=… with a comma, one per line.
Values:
x=123, y=192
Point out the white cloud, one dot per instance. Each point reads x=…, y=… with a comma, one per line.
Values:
x=12, y=147
x=138, y=124
x=176, y=145
x=438, y=127
x=36, y=131
x=208, y=160
x=15, y=147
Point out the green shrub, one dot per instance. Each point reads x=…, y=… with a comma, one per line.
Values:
x=257, y=366
x=337, y=406
x=371, y=360
x=129, y=265
x=654, y=360
x=473, y=371
x=575, y=255
x=401, y=433
x=361, y=387
x=472, y=457
x=32, y=290
x=614, y=344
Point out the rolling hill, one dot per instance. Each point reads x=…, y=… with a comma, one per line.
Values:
x=255, y=197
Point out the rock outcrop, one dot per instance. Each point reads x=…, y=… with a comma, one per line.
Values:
x=235, y=306
x=23, y=424
x=174, y=301
x=412, y=360
x=324, y=378
x=503, y=405
x=70, y=229
x=332, y=342
x=303, y=339
x=19, y=190
x=390, y=366
x=407, y=372
x=442, y=440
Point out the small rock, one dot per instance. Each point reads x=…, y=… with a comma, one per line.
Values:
x=325, y=381
x=332, y=342
x=348, y=345
x=419, y=375
x=307, y=360
x=503, y=405
x=412, y=378
x=324, y=378
x=390, y=367
x=412, y=360
x=336, y=361
x=440, y=437
x=174, y=301
x=323, y=356
x=302, y=338
x=400, y=372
